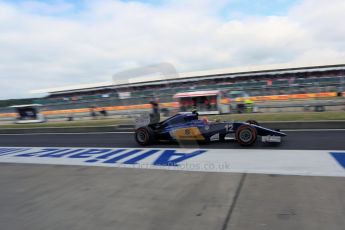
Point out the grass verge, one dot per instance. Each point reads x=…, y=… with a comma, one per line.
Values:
x=306, y=116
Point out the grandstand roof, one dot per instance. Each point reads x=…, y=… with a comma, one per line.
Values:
x=197, y=93
x=233, y=72
x=24, y=106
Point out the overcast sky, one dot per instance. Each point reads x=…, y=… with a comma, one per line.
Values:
x=54, y=43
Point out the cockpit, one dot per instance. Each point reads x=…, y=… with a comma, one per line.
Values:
x=180, y=118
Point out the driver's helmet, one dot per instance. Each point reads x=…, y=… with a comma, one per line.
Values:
x=205, y=120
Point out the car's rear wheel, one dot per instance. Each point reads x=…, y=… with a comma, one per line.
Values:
x=252, y=122
x=246, y=135
x=144, y=136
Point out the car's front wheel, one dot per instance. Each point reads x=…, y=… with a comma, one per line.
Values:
x=246, y=135
x=144, y=136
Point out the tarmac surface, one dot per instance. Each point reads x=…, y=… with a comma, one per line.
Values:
x=80, y=197
x=305, y=140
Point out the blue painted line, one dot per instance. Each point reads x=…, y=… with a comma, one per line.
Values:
x=8, y=151
x=339, y=157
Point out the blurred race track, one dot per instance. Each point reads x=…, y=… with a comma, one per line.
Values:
x=36, y=196
x=305, y=140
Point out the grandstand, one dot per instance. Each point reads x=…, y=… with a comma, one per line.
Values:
x=255, y=81
x=259, y=82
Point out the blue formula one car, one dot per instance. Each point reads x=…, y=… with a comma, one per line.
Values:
x=188, y=127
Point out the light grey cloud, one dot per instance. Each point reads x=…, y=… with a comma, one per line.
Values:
x=46, y=45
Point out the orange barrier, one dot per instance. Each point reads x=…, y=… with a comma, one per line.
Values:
x=8, y=114
x=301, y=96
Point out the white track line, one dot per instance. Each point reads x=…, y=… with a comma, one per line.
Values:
x=311, y=130
x=88, y=133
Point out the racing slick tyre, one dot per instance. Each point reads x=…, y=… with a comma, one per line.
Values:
x=246, y=135
x=144, y=136
x=252, y=122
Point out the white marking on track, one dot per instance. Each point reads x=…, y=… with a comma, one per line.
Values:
x=285, y=162
x=86, y=133
x=311, y=130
